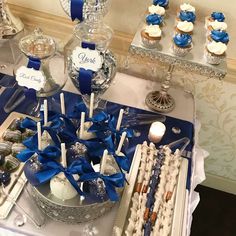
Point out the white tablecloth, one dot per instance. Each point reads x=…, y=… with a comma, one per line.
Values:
x=130, y=91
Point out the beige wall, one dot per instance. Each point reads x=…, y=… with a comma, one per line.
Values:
x=125, y=15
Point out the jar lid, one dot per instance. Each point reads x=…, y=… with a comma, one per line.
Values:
x=90, y=6
x=38, y=45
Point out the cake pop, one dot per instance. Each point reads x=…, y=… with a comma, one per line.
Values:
x=60, y=185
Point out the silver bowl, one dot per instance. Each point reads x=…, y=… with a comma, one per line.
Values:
x=71, y=211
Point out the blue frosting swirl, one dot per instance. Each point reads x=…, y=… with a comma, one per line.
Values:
x=182, y=40
x=162, y=3
x=187, y=16
x=220, y=36
x=219, y=16
x=154, y=19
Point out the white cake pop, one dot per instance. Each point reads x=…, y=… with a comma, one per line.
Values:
x=60, y=185
x=84, y=127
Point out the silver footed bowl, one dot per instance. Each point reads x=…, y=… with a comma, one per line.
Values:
x=73, y=211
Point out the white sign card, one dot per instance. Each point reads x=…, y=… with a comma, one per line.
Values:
x=30, y=78
x=87, y=59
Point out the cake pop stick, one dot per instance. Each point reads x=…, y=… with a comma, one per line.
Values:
x=121, y=143
x=91, y=106
x=63, y=155
x=120, y=119
x=104, y=162
x=62, y=99
x=39, y=136
x=82, y=121
x=45, y=112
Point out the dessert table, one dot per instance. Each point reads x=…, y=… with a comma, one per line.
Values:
x=130, y=91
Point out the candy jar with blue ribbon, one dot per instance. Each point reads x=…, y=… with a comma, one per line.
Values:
x=39, y=70
x=89, y=63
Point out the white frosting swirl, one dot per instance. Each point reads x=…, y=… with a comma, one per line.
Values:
x=217, y=48
x=153, y=30
x=216, y=25
x=187, y=7
x=185, y=26
x=157, y=10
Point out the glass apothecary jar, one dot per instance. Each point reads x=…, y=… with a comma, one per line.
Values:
x=39, y=52
x=89, y=63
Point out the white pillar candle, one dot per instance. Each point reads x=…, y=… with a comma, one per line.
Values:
x=120, y=119
x=39, y=130
x=45, y=112
x=156, y=132
x=63, y=109
x=91, y=105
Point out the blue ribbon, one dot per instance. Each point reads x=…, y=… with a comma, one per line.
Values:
x=111, y=182
x=76, y=9
x=85, y=81
x=52, y=129
x=66, y=131
x=35, y=64
x=53, y=168
x=85, y=76
x=48, y=154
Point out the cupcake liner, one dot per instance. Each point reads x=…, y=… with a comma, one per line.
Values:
x=181, y=52
x=150, y=43
x=212, y=58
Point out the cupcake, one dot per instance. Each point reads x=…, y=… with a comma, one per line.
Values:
x=215, y=16
x=187, y=7
x=154, y=19
x=184, y=27
x=156, y=9
x=217, y=25
x=218, y=36
x=187, y=16
x=215, y=52
x=162, y=3
x=182, y=44
x=151, y=36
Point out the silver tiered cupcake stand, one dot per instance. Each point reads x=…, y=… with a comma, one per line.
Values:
x=194, y=61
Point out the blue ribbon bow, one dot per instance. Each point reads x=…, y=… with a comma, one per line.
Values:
x=53, y=168
x=111, y=182
x=48, y=154
x=52, y=129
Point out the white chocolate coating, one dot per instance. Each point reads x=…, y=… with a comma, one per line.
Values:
x=62, y=188
x=87, y=135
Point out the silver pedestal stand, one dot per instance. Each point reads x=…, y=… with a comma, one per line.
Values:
x=160, y=100
x=194, y=61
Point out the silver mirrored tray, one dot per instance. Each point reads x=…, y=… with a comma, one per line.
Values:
x=179, y=210
x=193, y=61
x=18, y=179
